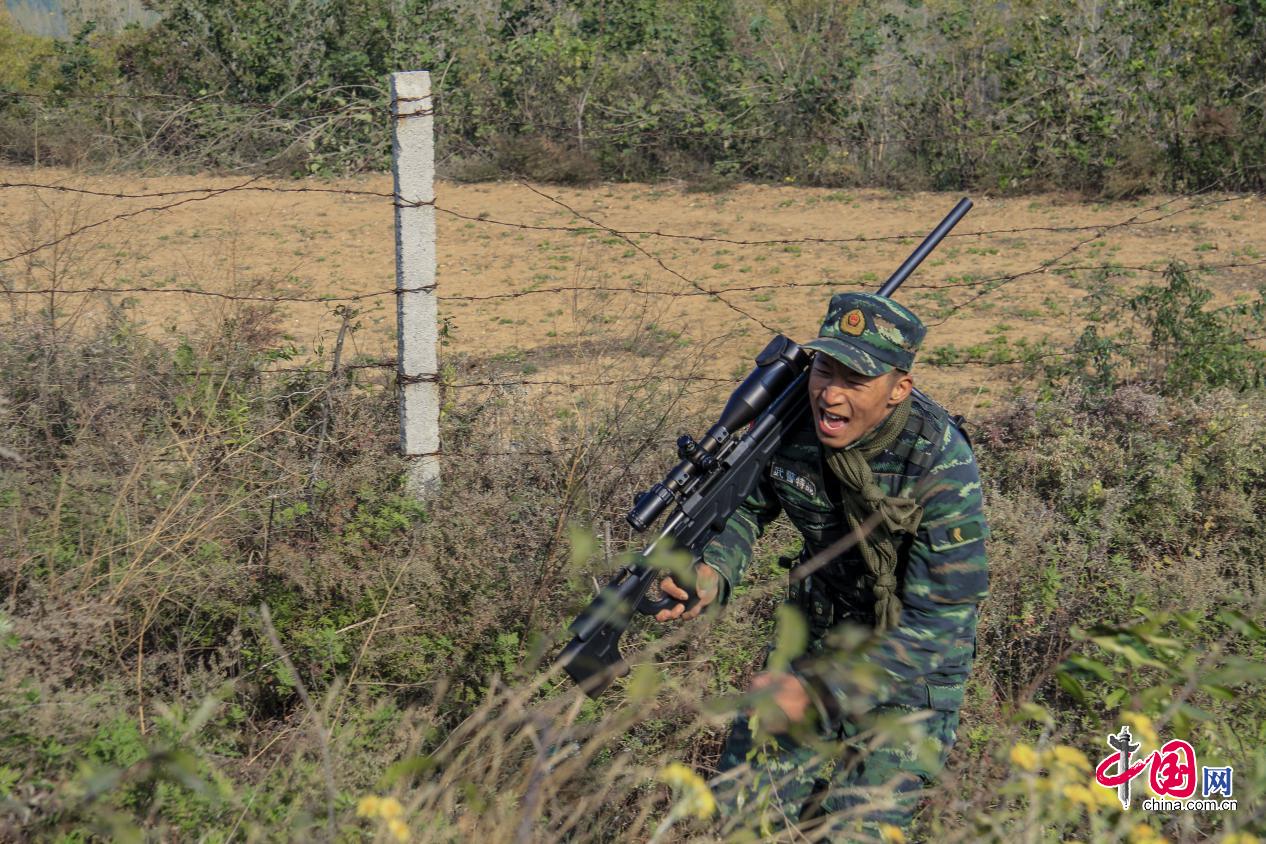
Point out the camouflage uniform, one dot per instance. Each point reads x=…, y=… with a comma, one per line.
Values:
x=924, y=661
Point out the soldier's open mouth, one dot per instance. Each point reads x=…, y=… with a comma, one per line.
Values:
x=829, y=422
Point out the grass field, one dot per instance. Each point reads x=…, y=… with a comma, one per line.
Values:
x=313, y=244
x=221, y=619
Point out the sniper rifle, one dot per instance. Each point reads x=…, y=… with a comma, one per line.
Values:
x=714, y=476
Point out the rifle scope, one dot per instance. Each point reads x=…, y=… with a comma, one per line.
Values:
x=777, y=366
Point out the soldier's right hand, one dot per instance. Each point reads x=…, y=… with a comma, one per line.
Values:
x=707, y=587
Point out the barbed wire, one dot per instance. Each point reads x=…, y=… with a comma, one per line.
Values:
x=794, y=241
x=380, y=96
x=1045, y=265
x=787, y=285
x=834, y=132
x=649, y=380
x=135, y=96
x=633, y=243
x=595, y=226
x=966, y=362
x=516, y=294
x=217, y=99
x=457, y=385
x=1060, y=353
x=123, y=216
x=926, y=360
x=613, y=382
x=167, y=207
x=1146, y=216
x=243, y=188
x=104, y=95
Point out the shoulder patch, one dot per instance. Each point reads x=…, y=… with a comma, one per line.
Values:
x=945, y=537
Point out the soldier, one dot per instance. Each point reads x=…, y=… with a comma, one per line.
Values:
x=870, y=445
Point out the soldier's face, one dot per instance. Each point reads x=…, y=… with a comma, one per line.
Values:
x=847, y=404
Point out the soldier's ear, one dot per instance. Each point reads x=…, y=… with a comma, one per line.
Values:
x=902, y=385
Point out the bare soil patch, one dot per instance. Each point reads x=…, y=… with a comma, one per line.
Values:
x=650, y=309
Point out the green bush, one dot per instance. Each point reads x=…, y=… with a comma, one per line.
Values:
x=1119, y=98
x=158, y=494
x=1164, y=336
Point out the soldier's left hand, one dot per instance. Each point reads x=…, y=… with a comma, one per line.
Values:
x=789, y=695
x=707, y=587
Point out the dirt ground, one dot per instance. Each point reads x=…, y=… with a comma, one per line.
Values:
x=653, y=313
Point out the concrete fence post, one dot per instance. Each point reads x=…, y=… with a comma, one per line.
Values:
x=413, y=166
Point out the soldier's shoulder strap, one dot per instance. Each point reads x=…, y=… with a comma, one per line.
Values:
x=960, y=422
x=926, y=429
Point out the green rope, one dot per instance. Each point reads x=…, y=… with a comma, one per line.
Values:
x=897, y=515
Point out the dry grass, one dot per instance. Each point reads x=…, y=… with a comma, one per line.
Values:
x=157, y=492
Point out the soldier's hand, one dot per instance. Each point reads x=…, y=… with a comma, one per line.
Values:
x=707, y=587
x=789, y=695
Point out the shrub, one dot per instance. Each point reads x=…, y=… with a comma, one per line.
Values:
x=1117, y=99
x=159, y=495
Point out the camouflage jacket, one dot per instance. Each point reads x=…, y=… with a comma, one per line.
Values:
x=941, y=569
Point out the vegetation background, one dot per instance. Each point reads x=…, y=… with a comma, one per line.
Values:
x=1116, y=97
x=222, y=618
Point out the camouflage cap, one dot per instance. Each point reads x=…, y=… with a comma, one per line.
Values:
x=869, y=333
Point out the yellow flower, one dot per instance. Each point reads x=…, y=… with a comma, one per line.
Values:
x=677, y=775
x=1024, y=756
x=1079, y=794
x=1241, y=838
x=367, y=807
x=389, y=808
x=1105, y=797
x=398, y=830
x=693, y=795
x=892, y=834
x=1070, y=757
x=1144, y=834
x=1143, y=728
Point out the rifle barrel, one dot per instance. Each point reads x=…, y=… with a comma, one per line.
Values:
x=929, y=243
